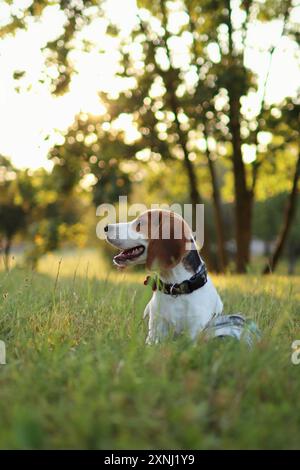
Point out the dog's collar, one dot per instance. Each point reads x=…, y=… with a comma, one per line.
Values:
x=186, y=287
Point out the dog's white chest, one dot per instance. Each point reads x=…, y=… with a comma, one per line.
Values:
x=189, y=312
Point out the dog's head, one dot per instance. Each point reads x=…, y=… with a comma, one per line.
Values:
x=157, y=238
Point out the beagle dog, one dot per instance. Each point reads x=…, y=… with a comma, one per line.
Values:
x=184, y=297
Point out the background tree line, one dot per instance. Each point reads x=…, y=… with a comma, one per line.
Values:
x=192, y=136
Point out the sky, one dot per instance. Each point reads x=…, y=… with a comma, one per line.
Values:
x=31, y=114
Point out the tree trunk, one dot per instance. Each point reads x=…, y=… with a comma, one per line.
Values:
x=243, y=196
x=182, y=139
x=217, y=203
x=195, y=200
x=215, y=188
x=289, y=215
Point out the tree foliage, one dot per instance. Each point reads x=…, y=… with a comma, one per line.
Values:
x=185, y=103
x=33, y=205
x=90, y=149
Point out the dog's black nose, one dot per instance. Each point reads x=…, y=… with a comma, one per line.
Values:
x=106, y=228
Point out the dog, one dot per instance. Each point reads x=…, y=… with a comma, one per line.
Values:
x=184, y=297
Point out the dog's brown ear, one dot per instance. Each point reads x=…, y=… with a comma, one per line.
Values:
x=167, y=244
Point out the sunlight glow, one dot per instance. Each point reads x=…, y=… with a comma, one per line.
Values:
x=32, y=118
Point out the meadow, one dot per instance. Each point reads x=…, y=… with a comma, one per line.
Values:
x=78, y=373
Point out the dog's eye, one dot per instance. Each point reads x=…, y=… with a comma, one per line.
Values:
x=138, y=226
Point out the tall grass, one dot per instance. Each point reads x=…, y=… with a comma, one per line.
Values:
x=78, y=374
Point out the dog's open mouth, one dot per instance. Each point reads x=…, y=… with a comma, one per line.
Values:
x=128, y=255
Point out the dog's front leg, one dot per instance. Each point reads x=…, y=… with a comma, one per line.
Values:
x=147, y=310
x=157, y=328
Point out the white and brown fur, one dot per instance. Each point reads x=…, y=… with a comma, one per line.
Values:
x=174, y=259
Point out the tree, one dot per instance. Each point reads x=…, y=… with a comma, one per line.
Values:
x=176, y=99
x=184, y=110
x=55, y=214
x=288, y=128
x=12, y=210
x=34, y=205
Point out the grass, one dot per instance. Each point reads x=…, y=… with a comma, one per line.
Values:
x=78, y=374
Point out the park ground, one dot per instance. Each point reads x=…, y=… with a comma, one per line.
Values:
x=78, y=374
